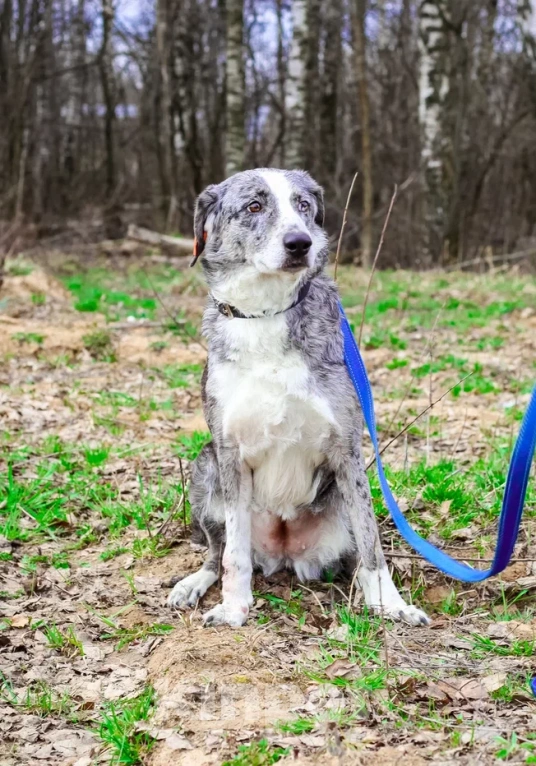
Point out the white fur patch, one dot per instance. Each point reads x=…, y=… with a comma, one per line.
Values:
x=268, y=406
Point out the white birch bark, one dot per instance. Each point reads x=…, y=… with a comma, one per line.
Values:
x=433, y=89
x=295, y=88
x=235, y=85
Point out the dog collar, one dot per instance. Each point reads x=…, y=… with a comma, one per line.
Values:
x=230, y=311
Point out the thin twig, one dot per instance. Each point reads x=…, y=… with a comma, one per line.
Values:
x=378, y=251
x=343, y=226
x=408, y=425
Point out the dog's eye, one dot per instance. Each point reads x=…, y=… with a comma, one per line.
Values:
x=303, y=206
x=255, y=207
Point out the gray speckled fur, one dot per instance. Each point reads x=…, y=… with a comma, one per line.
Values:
x=313, y=331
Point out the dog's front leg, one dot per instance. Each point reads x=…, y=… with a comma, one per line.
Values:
x=379, y=590
x=237, y=483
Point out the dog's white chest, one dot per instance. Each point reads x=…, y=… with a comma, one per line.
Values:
x=269, y=406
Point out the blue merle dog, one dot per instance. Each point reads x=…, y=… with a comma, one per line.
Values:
x=282, y=483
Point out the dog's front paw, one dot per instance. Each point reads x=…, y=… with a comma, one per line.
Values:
x=233, y=614
x=409, y=614
x=188, y=591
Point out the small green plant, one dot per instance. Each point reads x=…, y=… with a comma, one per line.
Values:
x=512, y=746
x=127, y=636
x=111, y=553
x=19, y=269
x=297, y=726
x=158, y=345
x=259, y=753
x=39, y=299
x=96, y=456
x=64, y=641
x=39, y=698
x=117, y=728
x=28, y=337
x=191, y=445
x=99, y=345
x=483, y=645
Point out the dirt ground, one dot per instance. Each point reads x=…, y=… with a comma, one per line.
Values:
x=99, y=414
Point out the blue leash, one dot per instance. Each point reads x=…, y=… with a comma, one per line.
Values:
x=514, y=493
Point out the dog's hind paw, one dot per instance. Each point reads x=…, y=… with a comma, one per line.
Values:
x=409, y=614
x=234, y=615
x=188, y=591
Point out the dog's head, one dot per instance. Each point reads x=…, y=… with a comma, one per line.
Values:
x=260, y=224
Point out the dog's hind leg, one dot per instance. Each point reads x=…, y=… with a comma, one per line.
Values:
x=207, y=517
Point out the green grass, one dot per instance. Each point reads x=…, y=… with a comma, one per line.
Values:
x=182, y=375
x=190, y=445
x=39, y=698
x=28, y=337
x=64, y=641
x=117, y=728
x=483, y=645
x=99, y=345
x=126, y=636
x=452, y=498
x=259, y=753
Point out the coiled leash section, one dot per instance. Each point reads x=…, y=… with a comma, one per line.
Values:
x=514, y=493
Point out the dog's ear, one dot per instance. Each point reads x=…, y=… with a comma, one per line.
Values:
x=203, y=207
x=318, y=192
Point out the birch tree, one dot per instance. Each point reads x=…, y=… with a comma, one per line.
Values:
x=295, y=96
x=433, y=89
x=235, y=138
x=366, y=144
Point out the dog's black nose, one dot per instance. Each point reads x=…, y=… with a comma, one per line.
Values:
x=297, y=244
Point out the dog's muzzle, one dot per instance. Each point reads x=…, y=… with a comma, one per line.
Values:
x=297, y=245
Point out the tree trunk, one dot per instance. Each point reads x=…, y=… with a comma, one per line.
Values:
x=296, y=88
x=169, y=181
x=281, y=82
x=366, y=146
x=433, y=89
x=107, y=84
x=235, y=138
x=329, y=112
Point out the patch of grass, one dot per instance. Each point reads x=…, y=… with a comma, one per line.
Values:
x=182, y=375
x=512, y=746
x=117, y=728
x=259, y=753
x=39, y=299
x=19, y=269
x=158, y=345
x=64, y=641
x=39, y=698
x=111, y=553
x=297, y=726
x=28, y=337
x=99, y=345
x=190, y=445
x=127, y=636
x=449, y=499
x=92, y=292
x=483, y=645
x=96, y=456
x=450, y=605
x=33, y=507
x=293, y=607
